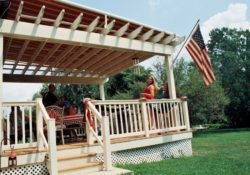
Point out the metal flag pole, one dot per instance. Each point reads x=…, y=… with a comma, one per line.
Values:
x=187, y=39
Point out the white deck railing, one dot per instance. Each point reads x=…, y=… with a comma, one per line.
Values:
x=133, y=117
x=110, y=119
x=116, y=119
x=24, y=124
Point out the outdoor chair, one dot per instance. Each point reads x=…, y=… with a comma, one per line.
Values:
x=57, y=113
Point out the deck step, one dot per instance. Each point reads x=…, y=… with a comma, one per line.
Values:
x=81, y=168
x=76, y=159
x=114, y=171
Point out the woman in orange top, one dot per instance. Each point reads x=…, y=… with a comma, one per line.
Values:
x=149, y=93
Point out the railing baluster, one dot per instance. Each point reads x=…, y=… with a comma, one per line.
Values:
x=111, y=119
x=130, y=119
x=30, y=124
x=116, y=120
x=126, y=117
x=135, y=118
x=23, y=126
x=139, y=117
x=170, y=114
x=181, y=114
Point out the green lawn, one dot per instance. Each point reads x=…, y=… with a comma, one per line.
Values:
x=223, y=152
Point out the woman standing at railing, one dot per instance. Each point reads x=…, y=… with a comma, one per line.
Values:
x=150, y=93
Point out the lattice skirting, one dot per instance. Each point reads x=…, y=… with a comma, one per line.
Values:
x=33, y=169
x=152, y=153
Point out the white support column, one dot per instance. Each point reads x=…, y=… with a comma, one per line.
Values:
x=39, y=124
x=102, y=92
x=170, y=75
x=52, y=147
x=185, y=112
x=1, y=86
x=106, y=142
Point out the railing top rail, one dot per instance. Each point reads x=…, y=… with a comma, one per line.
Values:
x=164, y=100
x=138, y=101
x=19, y=103
x=44, y=112
x=93, y=109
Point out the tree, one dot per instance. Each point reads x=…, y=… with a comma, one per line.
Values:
x=230, y=50
x=127, y=84
x=206, y=105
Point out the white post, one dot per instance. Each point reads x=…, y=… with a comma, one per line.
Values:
x=89, y=135
x=106, y=142
x=39, y=123
x=102, y=92
x=1, y=87
x=185, y=112
x=170, y=75
x=145, y=118
x=52, y=147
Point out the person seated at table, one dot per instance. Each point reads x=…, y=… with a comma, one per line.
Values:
x=49, y=98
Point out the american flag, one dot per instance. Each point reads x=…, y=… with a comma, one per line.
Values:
x=197, y=49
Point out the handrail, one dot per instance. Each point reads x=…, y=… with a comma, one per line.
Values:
x=44, y=112
x=105, y=142
x=135, y=101
x=46, y=145
x=94, y=110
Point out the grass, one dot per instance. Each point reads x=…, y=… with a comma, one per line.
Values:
x=221, y=152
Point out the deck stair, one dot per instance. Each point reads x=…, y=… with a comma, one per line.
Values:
x=73, y=159
x=77, y=164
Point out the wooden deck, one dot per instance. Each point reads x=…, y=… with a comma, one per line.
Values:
x=80, y=142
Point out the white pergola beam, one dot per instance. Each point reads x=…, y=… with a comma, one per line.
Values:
x=168, y=39
x=135, y=33
x=93, y=24
x=41, y=32
x=157, y=37
x=76, y=22
x=147, y=35
x=108, y=28
x=48, y=79
x=122, y=30
x=178, y=40
x=19, y=11
x=20, y=54
x=40, y=15
x=59, y=18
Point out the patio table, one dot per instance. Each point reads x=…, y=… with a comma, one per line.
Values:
x=73, y=119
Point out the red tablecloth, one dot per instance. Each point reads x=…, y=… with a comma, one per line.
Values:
x=73, y=119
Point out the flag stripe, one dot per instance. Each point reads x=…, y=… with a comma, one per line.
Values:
x=197, y=49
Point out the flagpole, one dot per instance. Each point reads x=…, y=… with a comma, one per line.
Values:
x=183, y=45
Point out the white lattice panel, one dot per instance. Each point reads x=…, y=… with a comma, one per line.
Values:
x=152, y=153
x=34, y=169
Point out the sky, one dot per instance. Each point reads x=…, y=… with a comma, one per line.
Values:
x=175, y=16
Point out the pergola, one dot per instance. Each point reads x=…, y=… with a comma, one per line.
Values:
x=63, y=42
